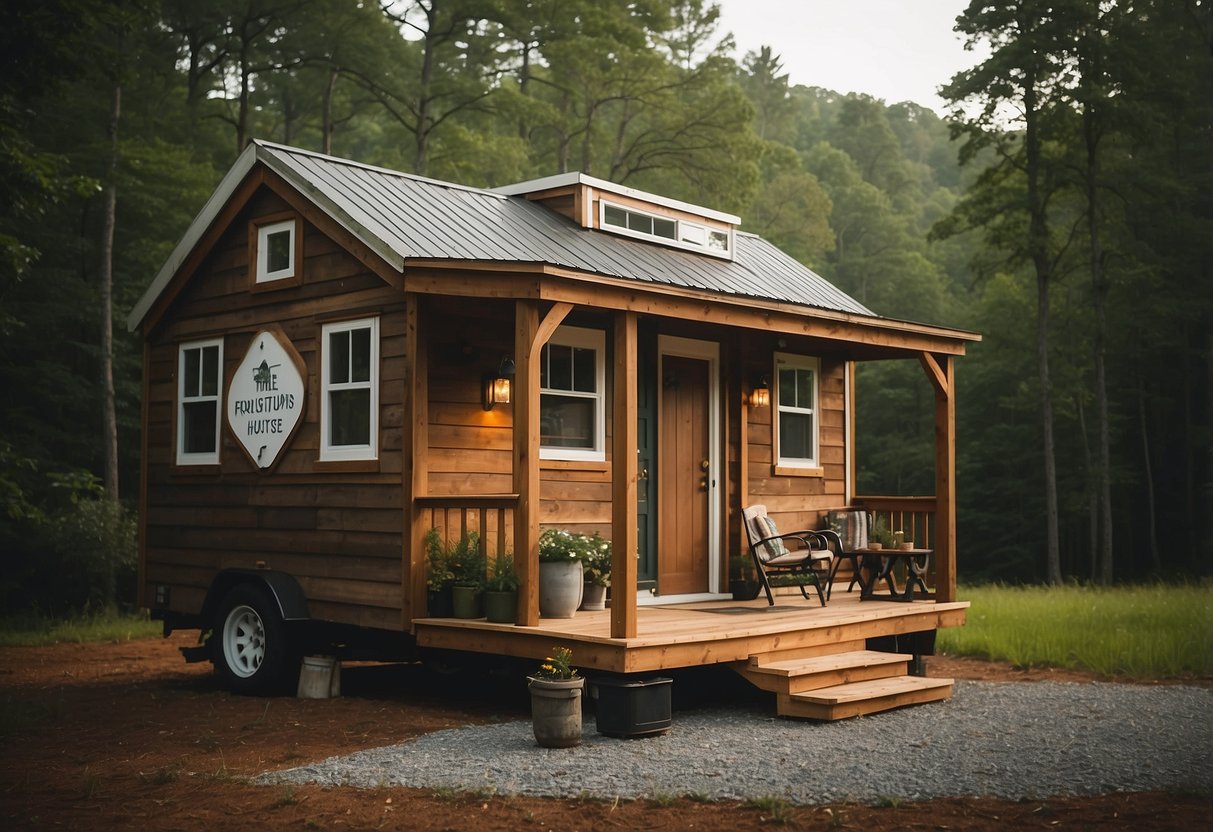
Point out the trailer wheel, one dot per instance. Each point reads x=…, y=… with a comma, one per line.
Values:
x=252, y=649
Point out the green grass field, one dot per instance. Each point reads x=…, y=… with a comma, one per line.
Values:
x=33, y=631
x=1150, y=631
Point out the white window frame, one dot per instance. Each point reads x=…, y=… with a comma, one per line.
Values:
x=328, y=451
x=595, y=339
x=787, y=361
x=209, y=457
x=263, y=251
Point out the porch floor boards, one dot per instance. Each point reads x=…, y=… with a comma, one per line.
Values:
x=689, y=635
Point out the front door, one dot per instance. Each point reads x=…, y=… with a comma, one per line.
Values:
x=686, y=475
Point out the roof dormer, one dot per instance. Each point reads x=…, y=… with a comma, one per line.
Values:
x=604, y=206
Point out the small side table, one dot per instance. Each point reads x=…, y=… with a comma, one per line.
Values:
x=881, y=562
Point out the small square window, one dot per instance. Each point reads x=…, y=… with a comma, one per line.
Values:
x=276, y=251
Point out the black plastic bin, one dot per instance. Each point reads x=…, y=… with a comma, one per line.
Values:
x=629, y=707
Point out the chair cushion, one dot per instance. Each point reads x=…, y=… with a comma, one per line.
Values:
x=766, y=527
x=851, y=527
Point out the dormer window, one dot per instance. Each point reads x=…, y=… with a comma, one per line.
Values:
x=680, y=233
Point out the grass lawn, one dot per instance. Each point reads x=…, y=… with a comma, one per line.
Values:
x=1147, y=631
x=33, y=631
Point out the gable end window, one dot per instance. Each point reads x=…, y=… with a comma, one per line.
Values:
x=276, y=244
x=199, y=381
x=572, y=396
x=797, y=423
x=349, y=380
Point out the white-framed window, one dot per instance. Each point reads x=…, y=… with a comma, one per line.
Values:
x=796, y=423
x=680, y=233
x=349, y=382
x=572, y=395
x=276, y=251
x=199, y=399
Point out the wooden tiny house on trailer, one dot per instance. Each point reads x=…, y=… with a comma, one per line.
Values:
x=318, y=365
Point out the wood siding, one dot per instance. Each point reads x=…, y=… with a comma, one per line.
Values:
x=337, y=529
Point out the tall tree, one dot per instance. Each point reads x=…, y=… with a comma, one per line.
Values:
x=1018, y=84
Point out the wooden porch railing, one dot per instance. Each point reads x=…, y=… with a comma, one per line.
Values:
x=489, y=515
x=915, y=516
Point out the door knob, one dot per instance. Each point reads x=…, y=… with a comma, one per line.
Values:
x=705, y=464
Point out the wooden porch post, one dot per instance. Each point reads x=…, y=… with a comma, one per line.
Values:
x=624, y=443
x=942, y=376
x=530, y=334
x=415, y=446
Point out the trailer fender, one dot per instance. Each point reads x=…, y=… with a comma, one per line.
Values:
x=283, y=588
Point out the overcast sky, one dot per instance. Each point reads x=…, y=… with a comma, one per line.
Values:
x=898, y=50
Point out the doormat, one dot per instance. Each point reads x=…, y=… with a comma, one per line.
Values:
x=744, y=610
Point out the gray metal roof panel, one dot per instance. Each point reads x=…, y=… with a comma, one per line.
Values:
x=418, y=218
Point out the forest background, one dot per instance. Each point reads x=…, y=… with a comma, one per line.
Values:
x=1063, y=208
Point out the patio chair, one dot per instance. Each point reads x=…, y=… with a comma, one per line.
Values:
x=797, y=554
x=848, y=531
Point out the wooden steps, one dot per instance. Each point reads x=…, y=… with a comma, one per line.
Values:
x=842, y=685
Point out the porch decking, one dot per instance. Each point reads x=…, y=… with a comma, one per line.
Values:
x=704, y=633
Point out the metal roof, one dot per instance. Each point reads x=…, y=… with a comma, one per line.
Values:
x=404, y=217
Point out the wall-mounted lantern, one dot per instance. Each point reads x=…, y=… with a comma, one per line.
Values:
x=760, y=396
x=497, y=386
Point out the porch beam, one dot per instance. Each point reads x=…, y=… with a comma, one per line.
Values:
x=941, y=371
x=625, y=440
x=526, y=460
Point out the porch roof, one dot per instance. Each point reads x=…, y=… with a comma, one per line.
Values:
x=402, y=218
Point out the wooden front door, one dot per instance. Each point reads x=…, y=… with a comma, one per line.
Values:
x=684, y=451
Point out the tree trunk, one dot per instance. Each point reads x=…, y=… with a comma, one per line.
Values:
x=1148, y=470
x=1099, y=294
x=1092, y=494
x=108, y=409
x=327, y=126
x=1038, y=247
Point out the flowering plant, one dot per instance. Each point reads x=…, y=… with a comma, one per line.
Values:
x=557, y=545
x=556, y=666
x=597, y=560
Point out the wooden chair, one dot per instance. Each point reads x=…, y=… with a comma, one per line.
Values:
x=798, y=554
x=848, y=531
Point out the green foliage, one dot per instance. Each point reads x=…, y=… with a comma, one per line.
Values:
x=557, y=545
x=460, y=563
x=503, y=577
x=1149, y=631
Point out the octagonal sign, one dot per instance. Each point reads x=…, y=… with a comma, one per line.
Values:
x=265, y=398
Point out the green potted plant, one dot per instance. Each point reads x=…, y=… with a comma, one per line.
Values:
x=596, y=563
x=467, y=564
x=880, y=536
x=438, y=577
x=560, y=573
x=556, y=701
x=501, y=590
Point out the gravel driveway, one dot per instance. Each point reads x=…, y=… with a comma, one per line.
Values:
x=1014, y=741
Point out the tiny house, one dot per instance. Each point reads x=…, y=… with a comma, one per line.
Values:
x=327, y=357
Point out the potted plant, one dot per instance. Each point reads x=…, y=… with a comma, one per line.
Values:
x=501, y=590
x=596, y=562
x=467, y=564
x=556, y=701
x=560, y=573
x=439, y=577
x=881, y=537
x=741, y=578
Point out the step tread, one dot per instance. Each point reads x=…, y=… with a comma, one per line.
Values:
x=872, y=689
x=832, y=662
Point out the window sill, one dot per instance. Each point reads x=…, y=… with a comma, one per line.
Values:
x=574, y=464
x=351, y=466
x=193, y=469
x=790, y=471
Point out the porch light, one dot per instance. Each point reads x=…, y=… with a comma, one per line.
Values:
x=760, y=396
x=497, y=385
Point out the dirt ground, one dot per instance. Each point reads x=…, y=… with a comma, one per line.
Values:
x=119, y=736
